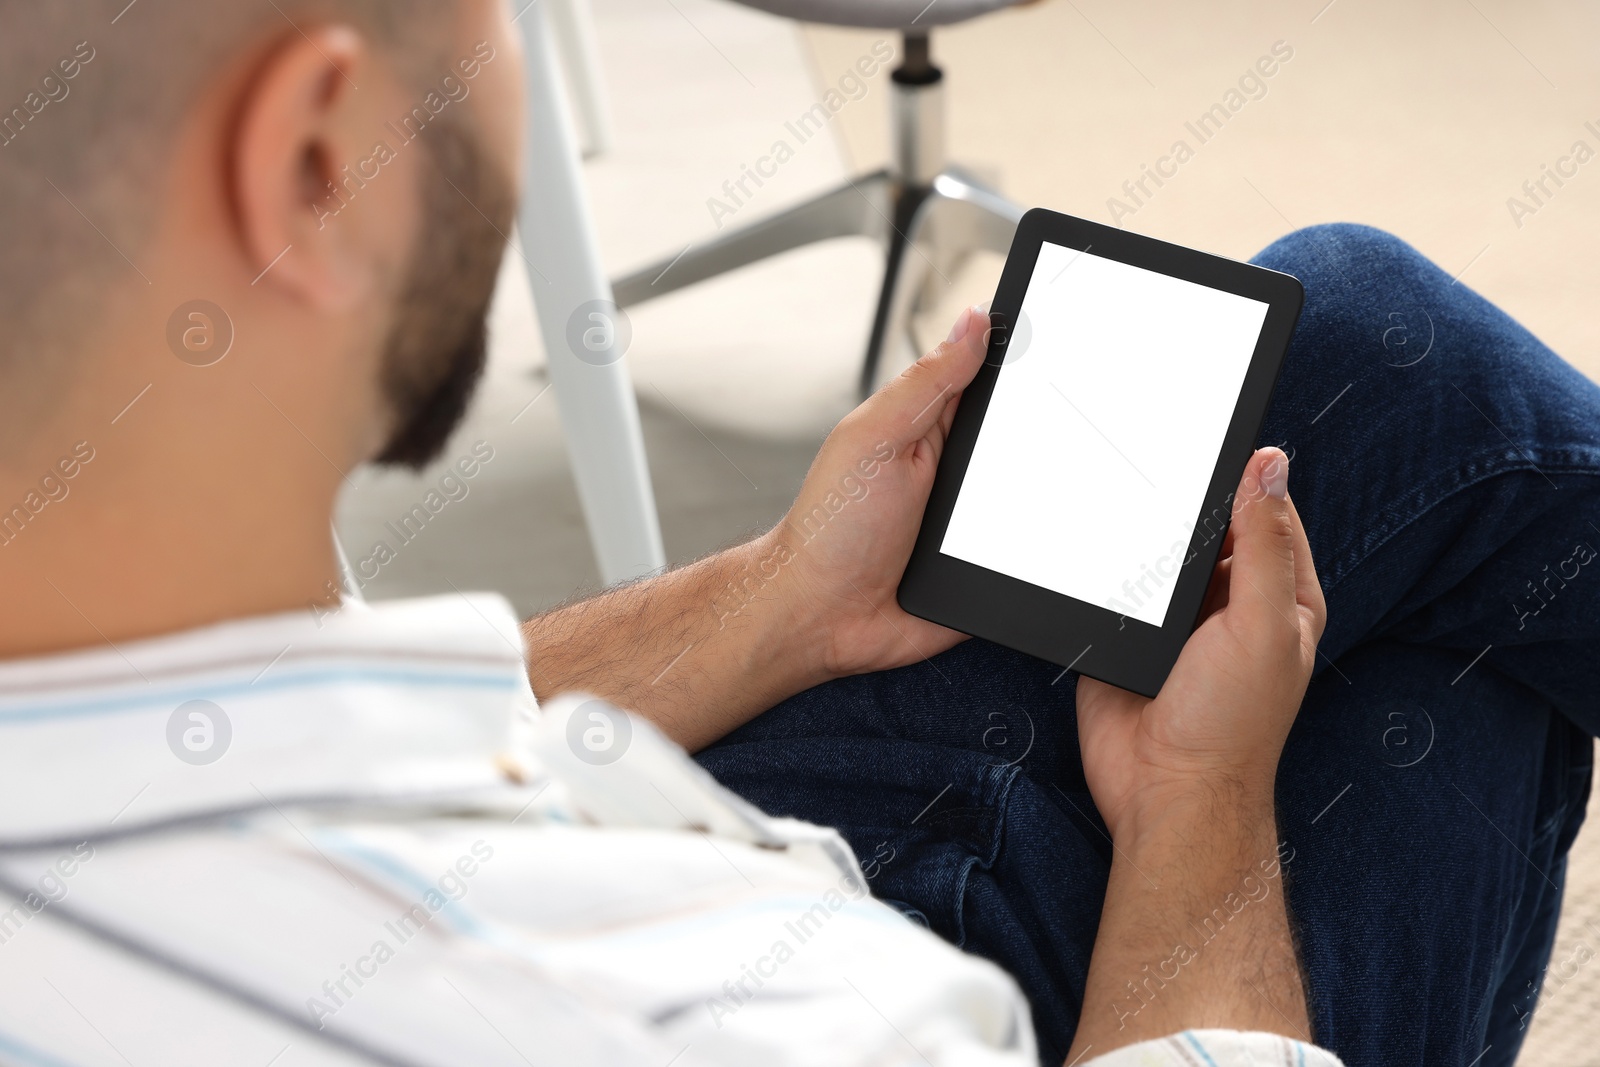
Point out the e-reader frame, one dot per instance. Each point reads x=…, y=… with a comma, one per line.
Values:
x=1094, y=640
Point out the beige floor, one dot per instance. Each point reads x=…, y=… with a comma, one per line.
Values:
x=1420, y=116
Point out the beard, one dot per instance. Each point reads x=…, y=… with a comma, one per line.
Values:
x=439, y=343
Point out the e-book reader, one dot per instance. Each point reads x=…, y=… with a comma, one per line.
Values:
x=1081, y=499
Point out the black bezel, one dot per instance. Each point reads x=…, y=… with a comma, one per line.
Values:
x=1072, y=633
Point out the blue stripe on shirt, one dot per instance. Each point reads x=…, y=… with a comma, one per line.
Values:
x=1188, y=1036
x=171, y=697
x=27, y=1054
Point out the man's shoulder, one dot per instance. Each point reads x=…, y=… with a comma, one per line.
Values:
x=363, y=831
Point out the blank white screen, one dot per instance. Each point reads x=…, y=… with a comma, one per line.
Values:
x=1101, y=435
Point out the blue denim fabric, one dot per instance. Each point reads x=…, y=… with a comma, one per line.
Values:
x=1447, y=466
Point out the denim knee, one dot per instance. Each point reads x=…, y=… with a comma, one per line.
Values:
x=1374, y=304
x=1331, y=246
x=1410, y=340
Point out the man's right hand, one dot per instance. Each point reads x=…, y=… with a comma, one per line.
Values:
x=1223, y=715
x=1195, y=928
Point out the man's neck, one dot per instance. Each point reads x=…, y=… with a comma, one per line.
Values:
x=103, y=541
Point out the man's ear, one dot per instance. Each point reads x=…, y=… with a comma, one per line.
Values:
x=300, y=123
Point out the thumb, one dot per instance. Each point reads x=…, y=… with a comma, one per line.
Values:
x=1261, y=580
x=913, y=402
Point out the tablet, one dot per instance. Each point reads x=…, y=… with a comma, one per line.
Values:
x=1081, y=500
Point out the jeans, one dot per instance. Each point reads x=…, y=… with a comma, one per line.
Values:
x=1447, y=466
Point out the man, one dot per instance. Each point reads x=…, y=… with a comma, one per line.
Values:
x=237, y=829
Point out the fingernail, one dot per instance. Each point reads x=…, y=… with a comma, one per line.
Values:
x=1275, y=474
x=959, y=330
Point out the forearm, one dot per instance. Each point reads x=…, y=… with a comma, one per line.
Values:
x=703, y=649
x=698, y=650
x=1195, y=931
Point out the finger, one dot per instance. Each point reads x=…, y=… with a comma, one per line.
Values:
x=1216, y=591
x=1307, y=586
x=1262, y=588
x=914, y=403
x=940, y=433
x=949, y=415
x=933, y=442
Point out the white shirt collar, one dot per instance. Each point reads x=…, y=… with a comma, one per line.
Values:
x=399, y=700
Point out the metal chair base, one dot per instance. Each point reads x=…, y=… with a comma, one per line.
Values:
x=929, y=217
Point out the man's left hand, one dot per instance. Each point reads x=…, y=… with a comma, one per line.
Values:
x=706, y=647
x=843, y=546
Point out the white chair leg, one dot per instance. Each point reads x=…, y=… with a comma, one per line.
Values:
x=599, y=411
x=573, y=24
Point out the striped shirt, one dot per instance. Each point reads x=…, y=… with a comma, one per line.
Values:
x=354, y=838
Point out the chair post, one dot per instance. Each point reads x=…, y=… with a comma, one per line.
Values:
x=918, y=113
x=918, y=118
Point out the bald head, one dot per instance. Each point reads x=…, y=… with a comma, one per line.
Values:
x=91, y=95
x=245, y=247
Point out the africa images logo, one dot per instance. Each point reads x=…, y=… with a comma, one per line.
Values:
x=598, y=733
x=199, y=732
